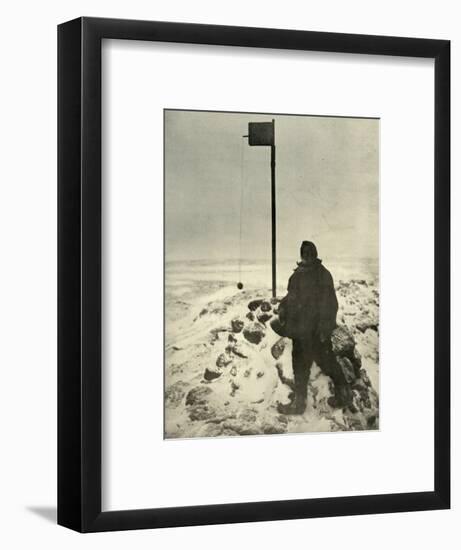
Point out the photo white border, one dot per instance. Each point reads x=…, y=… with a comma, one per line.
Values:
x=140, y=469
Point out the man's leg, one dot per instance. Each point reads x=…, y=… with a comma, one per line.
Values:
x=302, y=362
x=326, y=360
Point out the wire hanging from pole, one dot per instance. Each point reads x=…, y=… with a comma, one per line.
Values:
x=240, y=284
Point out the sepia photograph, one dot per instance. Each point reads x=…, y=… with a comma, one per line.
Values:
x=271, y=274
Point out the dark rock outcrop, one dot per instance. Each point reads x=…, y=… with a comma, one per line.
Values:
x=284, y=379
x=237, y=325
x=212, y=373
x=265, y=306
x=245, y=423
x=276, y=425
x=223, y=360
x=264, y=317
x=278, y=348
x=342, y=341
x=175, y=393
x=365, y=321
x=198, y=395
x=254, y=304
x=357, y=362
x=254, y=332
x=239, y=349
x=202, y=412
x=347, y=369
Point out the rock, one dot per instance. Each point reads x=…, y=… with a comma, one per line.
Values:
x=242, y=349
x=275, y=425
x=254, y=333
x=250, y=315
x=373, y=422
x=284, y=379
x=360, y=385
x=364, y=377
x=259, y=374
x=239, y=349
x=210, y=430
x=198, y=404
x=278, y=348
x=223, y=360
x=212, y=373
x=234, y=388
x=228, y=432
x=357, y=423
x=282, y=418
x=237, y=325
x=247, y=373
x=231, y=338
x=357, y=362
x=342, y=341
x=265, y=306
x=272, y=429
x=254, y=304
x=233, y=371
x=264, y=317
x=203, y=312
x=202, y=412
x=244, y=424
x=364, y=322
x=347, y=369
x=198, y=395
x=175, y=393
x=242, y=428
x=247, y=415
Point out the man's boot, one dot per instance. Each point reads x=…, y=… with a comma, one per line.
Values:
x=343, y=398
x=297, y=406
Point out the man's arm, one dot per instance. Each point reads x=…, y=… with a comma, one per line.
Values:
x=283, y=304
x=328, y=306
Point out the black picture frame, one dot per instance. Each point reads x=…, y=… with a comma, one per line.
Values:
x=79, y=274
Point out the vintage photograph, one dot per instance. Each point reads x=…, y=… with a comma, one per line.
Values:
x=271, y=274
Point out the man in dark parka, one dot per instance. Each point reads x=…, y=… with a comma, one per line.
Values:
x=308, y=316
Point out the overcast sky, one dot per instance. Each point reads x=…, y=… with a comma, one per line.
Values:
x=327, y=180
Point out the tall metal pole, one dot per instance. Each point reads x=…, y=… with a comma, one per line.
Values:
x=274, y=282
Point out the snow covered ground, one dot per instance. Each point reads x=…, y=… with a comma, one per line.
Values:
x=246, y=379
